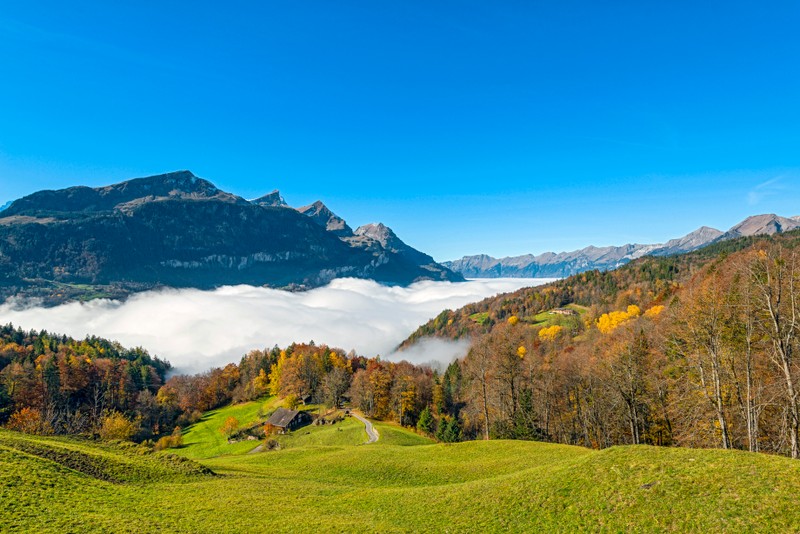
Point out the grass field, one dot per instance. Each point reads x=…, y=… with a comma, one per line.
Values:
x=204, y=440
x=547, y=318
x=323, y=479
x=480, y=317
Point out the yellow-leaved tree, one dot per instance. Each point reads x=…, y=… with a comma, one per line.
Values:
x=655, y=311
x=117, y=426
x=550, y=333
x=608, y=322
x=229, y=427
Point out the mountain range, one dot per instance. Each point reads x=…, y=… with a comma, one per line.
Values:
x=563, y=264
x=178, y=230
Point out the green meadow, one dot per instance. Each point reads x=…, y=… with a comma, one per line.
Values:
x=324, y=479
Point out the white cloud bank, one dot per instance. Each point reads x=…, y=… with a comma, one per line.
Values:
x=196, y=330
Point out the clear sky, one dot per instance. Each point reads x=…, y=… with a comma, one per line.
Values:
x=468, y=127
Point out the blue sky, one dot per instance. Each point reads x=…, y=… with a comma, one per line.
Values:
x=468, y=127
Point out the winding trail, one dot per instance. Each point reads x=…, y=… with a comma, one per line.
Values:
x=371, y=432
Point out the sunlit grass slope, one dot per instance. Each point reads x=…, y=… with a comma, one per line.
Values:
x=327, y=481
x=204, y=439
x=393, y=434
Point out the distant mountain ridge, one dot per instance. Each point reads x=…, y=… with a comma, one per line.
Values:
x=563, y=264
x=178, y=230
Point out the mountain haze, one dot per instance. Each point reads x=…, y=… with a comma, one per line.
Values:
x=178, y=230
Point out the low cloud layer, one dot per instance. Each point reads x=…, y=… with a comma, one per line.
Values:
x=432, y=351
x=196, y=330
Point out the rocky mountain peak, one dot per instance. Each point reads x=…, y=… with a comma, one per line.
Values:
x=701, y=236
x=386, y=237
x=271, y=199
x=324, y=217
x=691, y=241
x=379, y=232
x=122, y=195
x=768, y=223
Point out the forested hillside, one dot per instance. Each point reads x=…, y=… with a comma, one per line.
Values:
x=648, y=279
x=55, y=384
x=697, y=350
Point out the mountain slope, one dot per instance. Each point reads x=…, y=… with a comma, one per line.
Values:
x=181, y=231
x=389, y=241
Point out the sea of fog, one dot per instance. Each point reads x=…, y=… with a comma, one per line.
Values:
x=196, y=330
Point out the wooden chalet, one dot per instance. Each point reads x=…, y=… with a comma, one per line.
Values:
x=284, y=420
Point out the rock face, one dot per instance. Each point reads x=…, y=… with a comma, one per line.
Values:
x=178, y=230
x=320, y=214
x=763, y=224
x=385, y=238
x=271, y=199
x=552, y=265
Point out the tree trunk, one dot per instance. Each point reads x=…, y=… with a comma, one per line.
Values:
x=485, y=410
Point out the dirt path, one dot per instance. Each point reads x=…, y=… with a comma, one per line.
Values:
x=371, y=432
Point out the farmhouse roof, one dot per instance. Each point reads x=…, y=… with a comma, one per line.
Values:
x=282, y=417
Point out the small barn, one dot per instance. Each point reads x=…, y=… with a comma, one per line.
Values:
x=284, y=420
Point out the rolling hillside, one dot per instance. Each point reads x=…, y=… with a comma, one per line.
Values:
x=57, y=485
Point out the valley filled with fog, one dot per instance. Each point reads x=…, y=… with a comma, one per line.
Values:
x=196, y=329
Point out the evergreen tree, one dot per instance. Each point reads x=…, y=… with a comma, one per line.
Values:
x=449, y=430
x=425, y=423
x=525, y=425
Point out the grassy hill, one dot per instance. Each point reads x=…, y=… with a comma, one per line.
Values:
x=325, y=480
